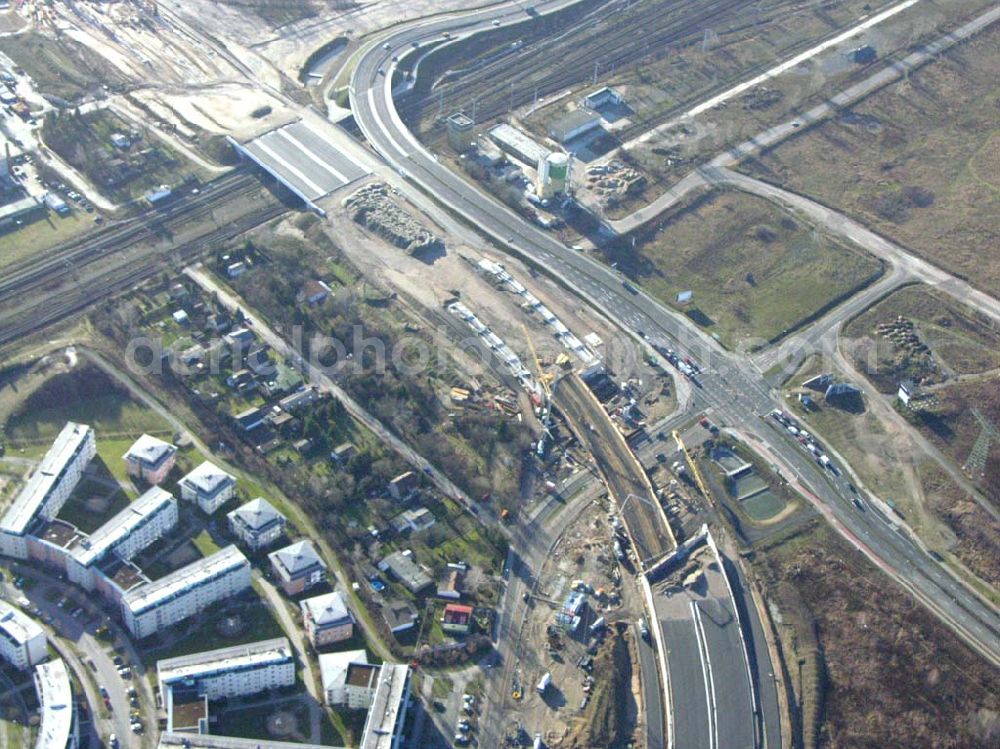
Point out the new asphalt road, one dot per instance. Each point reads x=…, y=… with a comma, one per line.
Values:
x=731, y=387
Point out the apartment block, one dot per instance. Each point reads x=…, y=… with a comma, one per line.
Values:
x=150, y=459
x=257, y=524
x=153, y=607
x=208, y=486
x=22, y=640
x=48, y=488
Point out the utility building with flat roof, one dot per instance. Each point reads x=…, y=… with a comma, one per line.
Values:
x=517, y=144
x=151, y=608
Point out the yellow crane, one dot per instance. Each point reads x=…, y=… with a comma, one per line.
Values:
x=693, y=466
x=543, y=377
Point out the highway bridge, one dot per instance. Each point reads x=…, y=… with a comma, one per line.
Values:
x=734, y=388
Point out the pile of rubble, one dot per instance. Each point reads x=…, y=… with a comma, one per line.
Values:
x=761, y=97
x=372, y=207
x=905, y=338
x=615, y=180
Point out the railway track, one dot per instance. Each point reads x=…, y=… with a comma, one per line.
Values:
x=627, y=482
x=58, y=261
x=616, y=37
x=59, y=287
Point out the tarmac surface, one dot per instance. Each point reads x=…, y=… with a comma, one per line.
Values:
x=301, y=157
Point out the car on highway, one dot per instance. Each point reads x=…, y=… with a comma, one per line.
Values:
x=643, y=629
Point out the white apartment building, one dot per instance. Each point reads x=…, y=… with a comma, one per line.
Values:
x=151, y=608
x=59, y=727
x=48, y=488
x=143, y=522
x=387, y=714
x=349, y=680
x=209, y=486
x=257, y=524
x=327, y=619
x=230, y=672
x=150, y=459
x=205, y=741
x=22, y=640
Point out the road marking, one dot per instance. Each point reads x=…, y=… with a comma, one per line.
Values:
x=316, y=159
x=706, y=671
x=319, y=191
x=384, y=130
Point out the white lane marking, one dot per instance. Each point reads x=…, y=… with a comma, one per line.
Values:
x=381, y=125
x=316, y=159
x=319, y=191
x=706, y=669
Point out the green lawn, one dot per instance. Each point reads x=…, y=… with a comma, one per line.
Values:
x=203, y=541
x=756, y=271
x=34, y=238
x=93, y=503
x=260, y=620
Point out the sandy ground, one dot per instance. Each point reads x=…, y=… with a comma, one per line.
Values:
x=431, y=281
x=288, y=47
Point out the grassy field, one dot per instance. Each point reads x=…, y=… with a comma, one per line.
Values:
x=961, y=341
x=756, y=271
x=889, y=466
x=200, y=634
x=60, y=67
x=868, y=664
x=94, y=502
x=917, y=162
x=673, y=152
x=953, y=419
x=38, y=236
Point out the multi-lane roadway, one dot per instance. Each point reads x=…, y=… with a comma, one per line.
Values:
x=732, y=387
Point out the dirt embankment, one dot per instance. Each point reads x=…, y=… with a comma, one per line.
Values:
x=607, y=722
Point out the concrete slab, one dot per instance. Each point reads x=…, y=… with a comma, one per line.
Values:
x=304, y=159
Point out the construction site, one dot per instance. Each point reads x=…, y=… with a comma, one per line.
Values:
x=580, y=615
